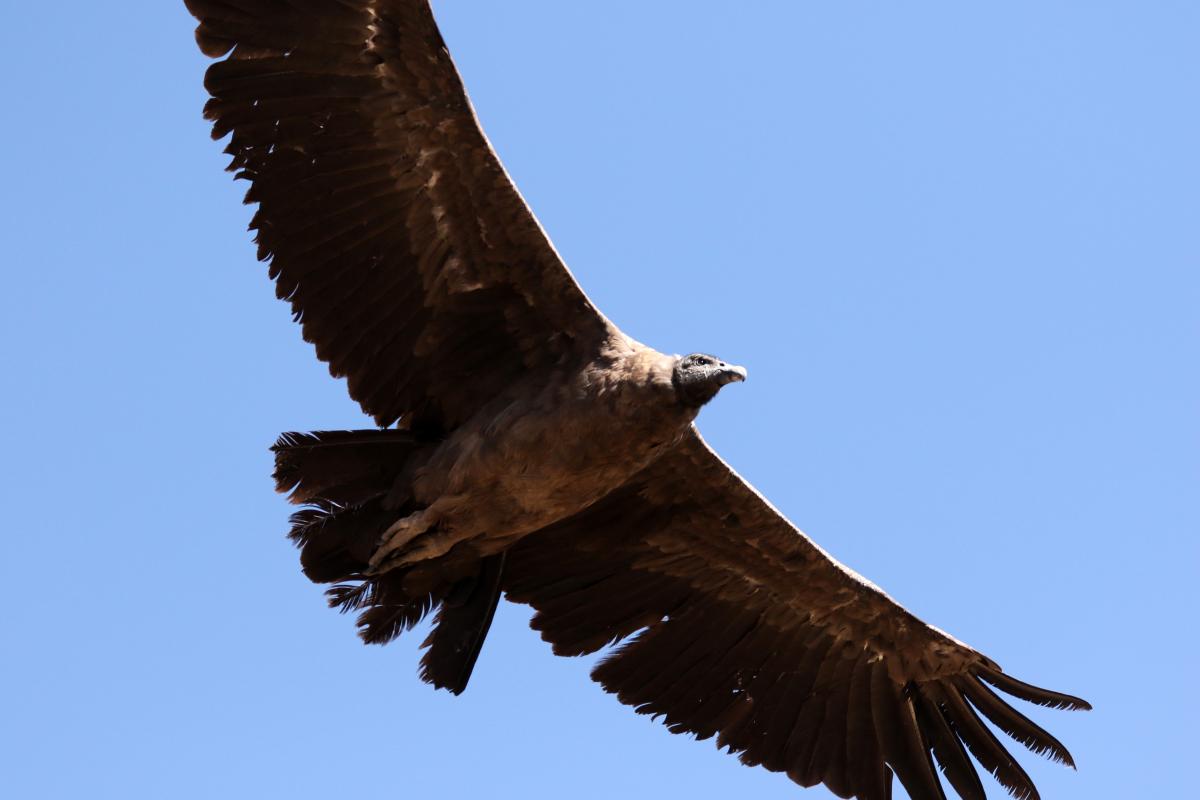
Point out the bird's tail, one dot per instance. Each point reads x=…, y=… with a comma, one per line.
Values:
x=349, y=483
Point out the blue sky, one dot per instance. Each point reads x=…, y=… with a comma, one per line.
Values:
x=954, y=244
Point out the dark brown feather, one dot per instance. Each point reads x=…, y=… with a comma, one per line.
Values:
x=1034, y=694
x=948, y=749
x=864, y=764
x=813, y=645
x=982, y=744
x=803, y=739
x=749, y=632
x=461, y=626
x=1014, y=723
x=345, y=467
x=382, y=208
x=899, y=738
x=828, y=760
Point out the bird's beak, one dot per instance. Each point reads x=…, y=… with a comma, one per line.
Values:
x=732, y=374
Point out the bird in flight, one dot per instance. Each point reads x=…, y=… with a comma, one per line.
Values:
x=527, y=447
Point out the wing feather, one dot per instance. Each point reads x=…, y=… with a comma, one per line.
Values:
x=1013, y=722
x=828, y=760
x=812, y=644
x=984, y=745
x=803, y=738
x=949, y=750
x=731, y=623
x=1033, y=694
x=407, y=255
x=864, y=763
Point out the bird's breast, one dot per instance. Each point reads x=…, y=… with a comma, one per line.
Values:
x=543, y=458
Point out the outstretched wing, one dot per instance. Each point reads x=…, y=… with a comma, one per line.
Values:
x=741, y=627
x=407, y=254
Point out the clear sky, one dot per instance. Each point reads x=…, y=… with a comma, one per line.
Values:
x=954, y=243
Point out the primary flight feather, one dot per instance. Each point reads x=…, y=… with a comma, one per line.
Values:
x=538, y=452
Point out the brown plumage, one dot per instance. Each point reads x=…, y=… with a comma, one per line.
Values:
x=537, y=450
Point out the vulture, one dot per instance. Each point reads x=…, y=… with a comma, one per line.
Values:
x=527, y=447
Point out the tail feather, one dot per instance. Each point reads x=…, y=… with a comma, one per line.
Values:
x=335, y=541
x=462, y=624
x=348, y=482
x=346, y=467
x=392, y=609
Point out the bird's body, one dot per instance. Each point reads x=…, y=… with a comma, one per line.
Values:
x=528, y=448
x=539, y=453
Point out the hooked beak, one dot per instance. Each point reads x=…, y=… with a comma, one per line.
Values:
x=731, y=373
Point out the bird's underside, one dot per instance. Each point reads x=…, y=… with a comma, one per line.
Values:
x=533, y=450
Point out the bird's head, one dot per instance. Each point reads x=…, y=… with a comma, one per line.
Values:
x=697, y=378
